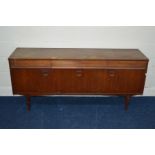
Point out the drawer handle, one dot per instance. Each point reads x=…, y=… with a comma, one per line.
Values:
x=78, y=71
x=79, y=75
x=112, y=73
x=45, y=74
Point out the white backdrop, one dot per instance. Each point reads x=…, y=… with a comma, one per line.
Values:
x=142, y=38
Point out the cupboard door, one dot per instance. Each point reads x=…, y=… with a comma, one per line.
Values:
x=76, y=81
x=68, y=81
x=123, y=81
x=31, y=80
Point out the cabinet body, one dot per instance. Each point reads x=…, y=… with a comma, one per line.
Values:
x=77, y=71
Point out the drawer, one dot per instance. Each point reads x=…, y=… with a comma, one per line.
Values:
x=30, y=63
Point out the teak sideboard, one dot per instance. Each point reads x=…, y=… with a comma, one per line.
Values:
x=62, y=71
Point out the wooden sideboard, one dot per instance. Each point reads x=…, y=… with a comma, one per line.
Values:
x=47, y=71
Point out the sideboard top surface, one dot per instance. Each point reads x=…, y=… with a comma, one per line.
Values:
x=77, y=53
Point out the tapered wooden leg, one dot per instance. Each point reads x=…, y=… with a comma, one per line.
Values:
x=28, y=99
x=127, y=99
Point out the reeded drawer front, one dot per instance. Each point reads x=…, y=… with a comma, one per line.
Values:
x=77, y=81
